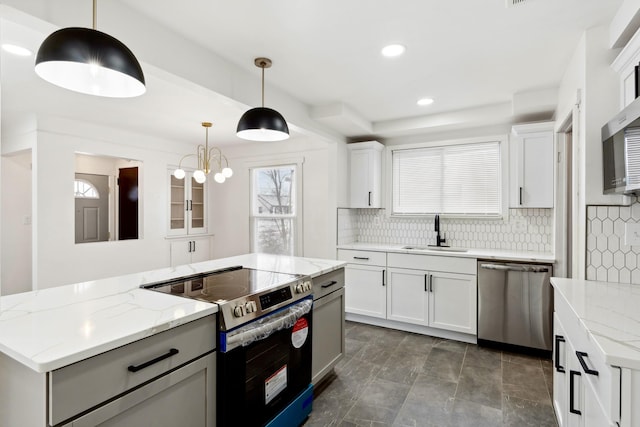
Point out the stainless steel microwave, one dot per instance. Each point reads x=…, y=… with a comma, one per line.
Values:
x=621, y=151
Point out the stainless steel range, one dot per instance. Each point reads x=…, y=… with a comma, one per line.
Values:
x=264, y=342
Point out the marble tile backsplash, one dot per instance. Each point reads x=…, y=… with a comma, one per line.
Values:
x=608, y=257
x=526, y=230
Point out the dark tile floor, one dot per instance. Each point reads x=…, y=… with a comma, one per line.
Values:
x=394, y=378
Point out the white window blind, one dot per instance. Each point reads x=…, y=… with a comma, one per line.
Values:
x=462, y=179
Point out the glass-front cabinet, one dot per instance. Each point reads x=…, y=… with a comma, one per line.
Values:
x=187, y=206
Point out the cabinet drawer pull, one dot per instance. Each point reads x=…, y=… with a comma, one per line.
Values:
x=136, y=368
x=431, y=283
x=364, y=258
x=558, y=366
x=383, y=274
x=369, y=198
x=581, y=355
x=328, y=285
x=425, y=283
x=572, y=389
x=520, y=195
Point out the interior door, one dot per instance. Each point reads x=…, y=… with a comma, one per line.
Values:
x=92, y=209
x=128, y=203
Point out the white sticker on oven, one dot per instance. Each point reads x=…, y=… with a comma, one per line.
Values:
x=299, y=332
x=275, y=384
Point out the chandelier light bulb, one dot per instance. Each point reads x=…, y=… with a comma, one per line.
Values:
x=227, y=172
x=219, y=178
x=199, y=176
x=179, y=173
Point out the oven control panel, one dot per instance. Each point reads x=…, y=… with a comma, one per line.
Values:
x=242, y=310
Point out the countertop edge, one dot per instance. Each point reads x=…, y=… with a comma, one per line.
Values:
x=612, y=359
x=488, y=254
x=107, y=346
x=28, y=355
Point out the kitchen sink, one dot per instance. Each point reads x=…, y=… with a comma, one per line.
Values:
x=436, y=248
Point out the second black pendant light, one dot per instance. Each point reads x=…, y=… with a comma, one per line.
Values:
x=262, y=123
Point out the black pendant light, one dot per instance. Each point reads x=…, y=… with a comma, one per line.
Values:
x=261, y=123
x=89, y=61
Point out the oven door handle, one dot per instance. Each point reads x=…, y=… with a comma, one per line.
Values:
x=265, y=327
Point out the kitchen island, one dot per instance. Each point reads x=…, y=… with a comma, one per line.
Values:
x=48, y=337
x=596, y=378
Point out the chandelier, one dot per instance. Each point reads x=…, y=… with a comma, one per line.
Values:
x=209, y=159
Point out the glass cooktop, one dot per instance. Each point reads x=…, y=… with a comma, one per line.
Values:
x=224, y=285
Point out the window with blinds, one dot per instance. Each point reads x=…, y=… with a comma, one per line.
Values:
x=462, y=179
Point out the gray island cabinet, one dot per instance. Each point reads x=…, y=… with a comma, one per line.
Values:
x=167, y=379
x=109, y=353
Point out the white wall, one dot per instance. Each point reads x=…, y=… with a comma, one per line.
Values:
x=590, y=82
x=231, y=200
x=57, y=259
x=16, y=223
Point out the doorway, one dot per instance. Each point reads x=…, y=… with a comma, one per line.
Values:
x=567, y=197
x=128, y=203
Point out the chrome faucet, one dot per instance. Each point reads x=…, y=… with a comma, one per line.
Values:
x=439, y=240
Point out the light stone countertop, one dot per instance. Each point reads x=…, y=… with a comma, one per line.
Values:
x=52, y=328
x=611, y=314
x=489, y=254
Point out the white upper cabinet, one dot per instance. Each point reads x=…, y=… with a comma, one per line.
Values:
x=365, y=160
x=187, y=206
x=531, y=166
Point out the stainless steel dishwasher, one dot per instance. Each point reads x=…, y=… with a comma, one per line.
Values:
x=515, y=304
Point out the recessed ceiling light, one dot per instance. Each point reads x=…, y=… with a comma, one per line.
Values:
x=393, y=50
x=16, y=50
x=425, y=101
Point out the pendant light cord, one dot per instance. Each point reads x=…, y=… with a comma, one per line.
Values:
x=95, y=14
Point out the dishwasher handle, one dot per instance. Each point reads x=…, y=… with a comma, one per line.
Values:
x=516, y=267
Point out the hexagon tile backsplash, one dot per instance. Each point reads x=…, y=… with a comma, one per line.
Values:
x=608, y=257
x=526, y=230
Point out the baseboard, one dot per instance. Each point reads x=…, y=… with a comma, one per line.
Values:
x=408, y=327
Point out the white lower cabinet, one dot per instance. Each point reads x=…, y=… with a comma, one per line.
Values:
x=432, y=292
x=408, y=296
x=587, y=391
x=365, y=279
x=432, y=298
x=452, y=302
x=195, y=249
x=365, y=291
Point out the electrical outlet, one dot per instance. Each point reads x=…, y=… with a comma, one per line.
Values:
x=632, y=234
x=521, y=225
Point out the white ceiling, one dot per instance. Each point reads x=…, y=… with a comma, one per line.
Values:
x=466, y=54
